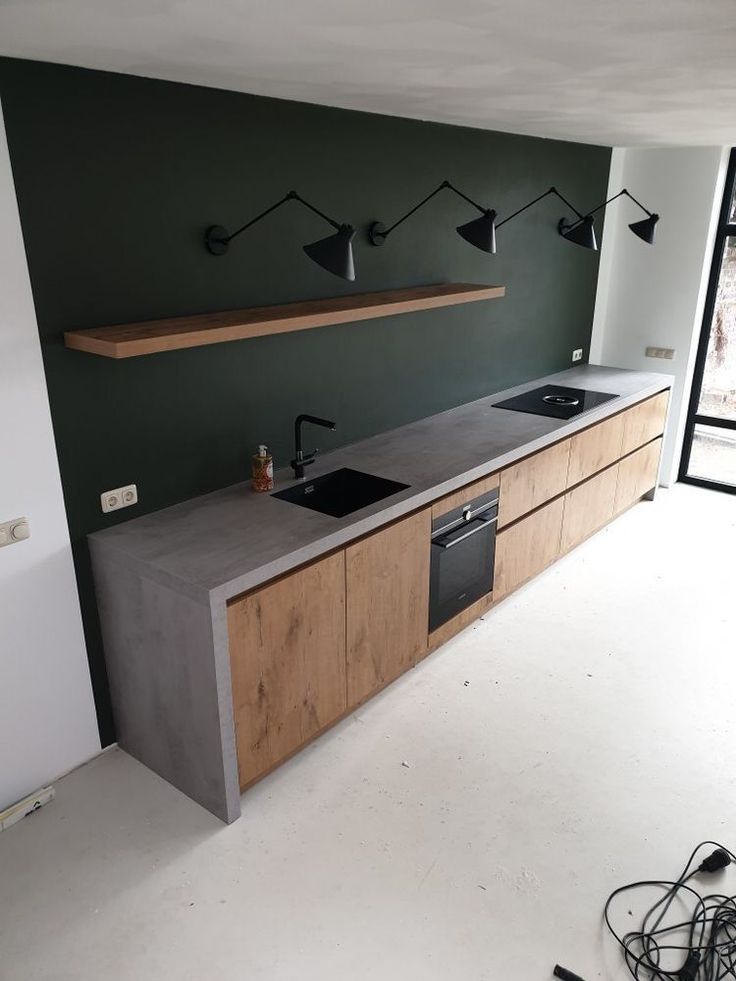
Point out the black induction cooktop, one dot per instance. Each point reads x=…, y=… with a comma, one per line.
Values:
x=556, y=401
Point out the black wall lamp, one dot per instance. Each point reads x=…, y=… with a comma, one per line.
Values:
x=585, y=235
x=334, y=253
x=582, y=232
x=480, y=232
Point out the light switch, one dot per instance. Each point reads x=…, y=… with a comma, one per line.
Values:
x=666, y=353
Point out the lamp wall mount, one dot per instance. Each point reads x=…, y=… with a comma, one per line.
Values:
x=217, y=239
x=377, y=233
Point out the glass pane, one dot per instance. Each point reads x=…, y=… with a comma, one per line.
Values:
x=732, y=209
x=713, y=454
x=718, y=393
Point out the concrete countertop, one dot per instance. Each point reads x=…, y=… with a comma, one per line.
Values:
x=221, y=544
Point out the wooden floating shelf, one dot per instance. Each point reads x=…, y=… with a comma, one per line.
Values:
x=154, y=336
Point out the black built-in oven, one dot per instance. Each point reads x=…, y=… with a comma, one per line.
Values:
x=463, y=550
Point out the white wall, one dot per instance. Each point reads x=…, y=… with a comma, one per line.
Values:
x=47, y=717
x=655, y=295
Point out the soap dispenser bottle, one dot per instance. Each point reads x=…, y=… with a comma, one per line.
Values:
x=262, y=470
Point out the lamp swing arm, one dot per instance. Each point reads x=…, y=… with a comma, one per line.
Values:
x=551, y=190
x=291, y=196
x=615, y=196
x=645, y=210
x=333, y=253
x=444, y=185
x=465, y=197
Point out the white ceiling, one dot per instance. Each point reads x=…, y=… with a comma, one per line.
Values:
x=616, y=72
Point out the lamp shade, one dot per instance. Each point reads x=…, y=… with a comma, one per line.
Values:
x=581, y=233
x=335, y=253
x=646, y=228
x=481, y=232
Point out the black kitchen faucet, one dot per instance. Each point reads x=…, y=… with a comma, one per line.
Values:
x=300, y=461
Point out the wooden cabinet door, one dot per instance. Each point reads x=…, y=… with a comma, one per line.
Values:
x=588, y=507
x=526, y=485
x=287, y=660
x=637, y=474
x=595, y=449
x=387, y=576
x=644, y=422
x=527, y=547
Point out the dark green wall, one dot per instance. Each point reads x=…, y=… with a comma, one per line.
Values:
x=117, y=177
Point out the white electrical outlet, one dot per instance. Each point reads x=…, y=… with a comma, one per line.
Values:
x=120, y=497
x=14, y=531
x=577, y=354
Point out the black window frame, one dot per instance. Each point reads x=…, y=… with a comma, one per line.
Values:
x=726, y=229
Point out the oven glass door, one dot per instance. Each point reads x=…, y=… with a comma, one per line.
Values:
x=461, y=569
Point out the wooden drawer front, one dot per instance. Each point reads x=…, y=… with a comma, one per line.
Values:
x=527, y=484
x=287, y=660
x=387, y=578
x=637, y=474
x=527, y=548
x=595, y=449
x=464, y=495
x=644, y=422
x=588, y=507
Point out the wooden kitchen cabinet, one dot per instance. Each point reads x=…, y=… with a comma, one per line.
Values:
x=527, y=547
x=588, y=507
x=595, y=449
x=644, y=422
x=287, y=660
x=532, y=481
x=637, y=475
x=387, y=577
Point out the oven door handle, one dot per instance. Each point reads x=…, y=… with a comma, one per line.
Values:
x=482, y=524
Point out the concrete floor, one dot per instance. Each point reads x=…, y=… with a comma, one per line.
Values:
x=579, y=737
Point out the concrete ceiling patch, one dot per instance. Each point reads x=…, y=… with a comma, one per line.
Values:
x=626, y=73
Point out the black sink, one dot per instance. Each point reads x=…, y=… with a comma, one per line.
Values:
x=340, y=492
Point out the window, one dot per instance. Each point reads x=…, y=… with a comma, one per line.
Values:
x=709, y=449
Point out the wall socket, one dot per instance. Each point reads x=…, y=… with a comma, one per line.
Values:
x=577, y=354
x=14, y=531
x=121, y=497
x=666, y=353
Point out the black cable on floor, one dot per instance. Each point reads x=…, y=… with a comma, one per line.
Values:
x=699, y=945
